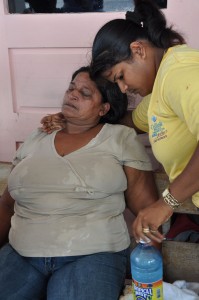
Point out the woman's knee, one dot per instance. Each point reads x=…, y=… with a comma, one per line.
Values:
x=99, y=276
x=103, y=274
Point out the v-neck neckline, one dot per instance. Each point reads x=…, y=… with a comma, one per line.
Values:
x=90, y=143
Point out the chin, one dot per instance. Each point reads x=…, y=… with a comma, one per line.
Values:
x=145, y=93
x=142, y=94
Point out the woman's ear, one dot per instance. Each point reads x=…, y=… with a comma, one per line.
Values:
x=138, y=49
x=105, y=108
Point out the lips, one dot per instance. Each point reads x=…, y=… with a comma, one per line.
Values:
x=70, y=105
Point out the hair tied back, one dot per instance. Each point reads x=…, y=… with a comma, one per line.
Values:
x=134, y=17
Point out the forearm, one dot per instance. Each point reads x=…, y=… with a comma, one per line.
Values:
x=187, y=183
x=142, y=190
x=183, y=187
x=5, y=217
x=4, y=230
x=145, y=197
x=6, y=212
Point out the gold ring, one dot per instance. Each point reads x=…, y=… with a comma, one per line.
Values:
x=145, y=230
x=153, y=231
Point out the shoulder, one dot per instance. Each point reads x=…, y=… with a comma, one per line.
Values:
x=179, y=56
x=35, y=136
x=131, y=150
x=120, y=133
x=123, y=136
x=118, y=129
x=29, y=144
x=183, y=53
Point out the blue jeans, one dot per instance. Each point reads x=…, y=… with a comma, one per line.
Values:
x=98, y=276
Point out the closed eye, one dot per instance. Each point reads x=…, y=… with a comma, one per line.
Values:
x=119, y=77
x=86, y=93
x=70, y=89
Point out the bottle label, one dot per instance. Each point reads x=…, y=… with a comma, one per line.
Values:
x=147, y=291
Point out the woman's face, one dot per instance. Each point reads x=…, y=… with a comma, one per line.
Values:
x=83, y=101
x=137, y=75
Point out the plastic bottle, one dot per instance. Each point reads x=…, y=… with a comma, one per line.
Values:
x=147, y=272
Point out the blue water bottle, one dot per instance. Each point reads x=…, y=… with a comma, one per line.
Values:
x=147, y=272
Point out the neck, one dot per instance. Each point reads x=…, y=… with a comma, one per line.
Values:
x=79, y=128
x=159, y=56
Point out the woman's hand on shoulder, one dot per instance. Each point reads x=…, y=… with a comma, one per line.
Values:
x=53, y=122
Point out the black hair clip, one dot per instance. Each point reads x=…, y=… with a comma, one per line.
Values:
x=134, y=17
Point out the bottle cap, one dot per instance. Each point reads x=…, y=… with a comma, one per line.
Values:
x=141, y=241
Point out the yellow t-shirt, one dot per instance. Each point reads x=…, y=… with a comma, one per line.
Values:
x=171, y=113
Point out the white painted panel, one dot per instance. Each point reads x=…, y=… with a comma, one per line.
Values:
x=55, y=30
x=41, y=76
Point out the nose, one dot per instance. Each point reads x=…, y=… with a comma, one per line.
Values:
x=73, y=95
x=123, y=87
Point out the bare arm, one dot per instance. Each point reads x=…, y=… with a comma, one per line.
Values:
x=141, y=192
x=141, y=189
x=183, y=187
x=6, y=212
x=187, y=183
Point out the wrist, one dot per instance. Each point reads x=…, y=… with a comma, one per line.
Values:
x=170, y=200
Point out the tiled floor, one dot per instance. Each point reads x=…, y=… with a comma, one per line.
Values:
x=4, y=172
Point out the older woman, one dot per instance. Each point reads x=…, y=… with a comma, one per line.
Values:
x=68, y=238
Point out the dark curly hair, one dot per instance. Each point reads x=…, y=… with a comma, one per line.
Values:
x=110, y=93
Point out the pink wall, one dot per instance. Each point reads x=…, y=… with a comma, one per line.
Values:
x=184, y=15
x=39, y=53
